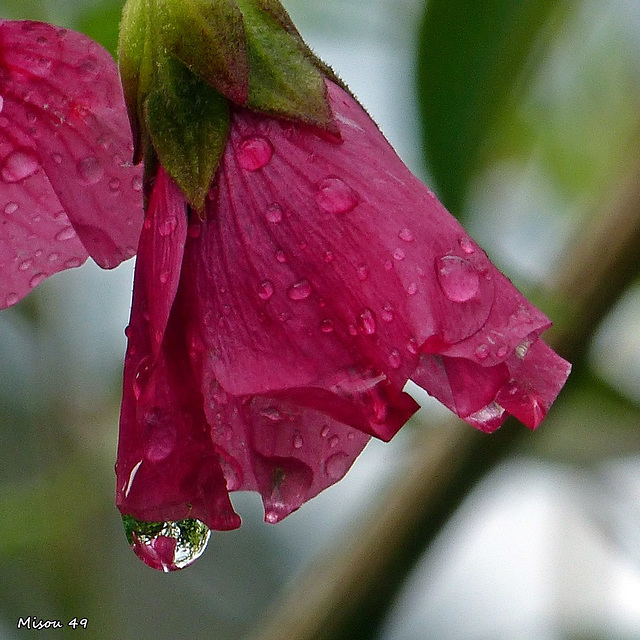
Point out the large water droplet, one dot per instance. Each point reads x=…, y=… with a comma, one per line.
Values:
x=19, y=164
x=299, y=290
x=458, y=278
x=89, y=170
x=167, y=546
x=254, y=153
x=367, y=322
x=335, y=196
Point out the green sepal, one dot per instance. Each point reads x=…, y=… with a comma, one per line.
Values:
x=136, y=53
x=188, y=122
x=283, y=79
x=208, y=37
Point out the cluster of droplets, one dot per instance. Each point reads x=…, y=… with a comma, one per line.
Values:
x=167, y=546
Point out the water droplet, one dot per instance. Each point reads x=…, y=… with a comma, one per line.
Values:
x=19, y=165
x=328, y=256
x=299, y=290
x=37, y=279
x=367, y=322
x=164, y=277
x=395, y=360
x=168, y=226
x=412, y=346
x=57, y=158
x=399, y=254
x=326, y=326
x=71, y=263
x=266, y=290
x=412, y=289
x=159, y=436
x=254, y=153
x=88, y=68
x=23, y=266
x=281, y=257
x=65, y=234
x=388, y=265
x=1, y=103
x=12, y=298
x=89, y=170
x=406, y=235
x=334, y=196
x=334, y=441
x=272, y=413
x=502, y=351
x=481, y=352
x=274, y=213
x=54, y=257
x=10, y=207
x=458, y=278
x=467, y=245
x=337, y=465
x=141, y=377
x=353, y=330
x=297, y=441
x=363, y=273
x=324, y=432
x=387, y=313
x=136, y=183
x=167, y=546
x=114, y=185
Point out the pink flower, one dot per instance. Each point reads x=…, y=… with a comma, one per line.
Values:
x=273, y=335
x=67, y=188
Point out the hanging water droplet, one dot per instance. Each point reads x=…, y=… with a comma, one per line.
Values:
x=467, y=245
x=326, y=326
x=297, y=441
x=337, y=465
x=168, y=226
x=299, y=290
x=395, y=360
x=167, y=546
x=406, y=235
x=367, y=322
x=89, y=170
x=266, y=290
x=335, y=196
x=10, y=207
x=65, y=234
x=274, y=213
x=19, y=165
x=458, y=278
x=254, y=153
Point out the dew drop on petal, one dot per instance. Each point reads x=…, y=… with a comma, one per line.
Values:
x=12, y=298
x=24, y=265
x=502, y=351
x=254, y=153
x=395, y=360
x=164, y=277
x=90, y=170
x=114, y=185
x=299, y=290
x=481, y=352
x=458, y=278
x=367, y=322
x=399, y=254
x=1, y=103
x=328, y=256
x=406, y=235
x=326, y=326
x=36, y=280
x=159, y=437
x=71, y=263
x=265, y=290
x=363, y=273
x=335, y=196
x=281, y=257
x=167, y=546
x=274, y=213
x=19, y=164
x=334, y=441
x=136, y=183
x=168, y=226
x=297, y=441
x=467, y=245
x=412, y=346
x=412, y=289
x=57, y=158
x=324, y=432
x=387, y=313
x=65, y=234
x=337, y=465
x=10, y=207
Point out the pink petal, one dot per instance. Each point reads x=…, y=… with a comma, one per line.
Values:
x=64, y=146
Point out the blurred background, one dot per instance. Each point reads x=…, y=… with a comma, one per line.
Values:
x=523, y=115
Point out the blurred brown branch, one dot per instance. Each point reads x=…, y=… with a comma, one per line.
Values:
x=346, y=594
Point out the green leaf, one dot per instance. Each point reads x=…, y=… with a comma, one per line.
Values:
x=101, y=22
x=470, y=56
x=283, y=80
x=188, y=121
x=208, y=37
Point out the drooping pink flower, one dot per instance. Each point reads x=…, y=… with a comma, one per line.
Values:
x=272, y=335
x=67, y=186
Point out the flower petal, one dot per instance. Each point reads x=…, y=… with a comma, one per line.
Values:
x=64, y=128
